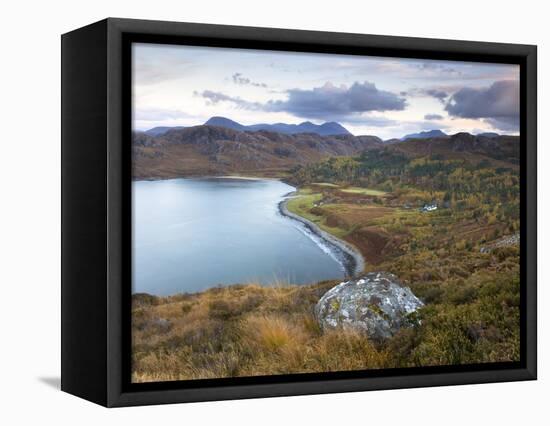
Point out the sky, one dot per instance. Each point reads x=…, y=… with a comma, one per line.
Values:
x=176, y=85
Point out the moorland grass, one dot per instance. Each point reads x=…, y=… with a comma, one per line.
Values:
x=250, y=330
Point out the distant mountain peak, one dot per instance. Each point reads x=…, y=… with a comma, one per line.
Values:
x=436, y=133
x=224, y=122
x=330, y=128
x=334, y=125
x=488, y=134
x=326, y=129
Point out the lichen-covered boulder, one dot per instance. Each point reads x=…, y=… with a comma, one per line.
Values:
x=376, y=304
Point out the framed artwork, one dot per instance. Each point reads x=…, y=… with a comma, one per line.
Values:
x=252, y=212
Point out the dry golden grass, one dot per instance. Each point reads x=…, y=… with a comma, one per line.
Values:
x=240, y=331
x=249, y=330
x=271, y=333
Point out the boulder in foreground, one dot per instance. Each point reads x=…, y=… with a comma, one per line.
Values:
x=376, y=304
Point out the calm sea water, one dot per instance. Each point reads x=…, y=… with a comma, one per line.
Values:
x=192, y=234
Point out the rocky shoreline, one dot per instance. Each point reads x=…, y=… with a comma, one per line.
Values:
x=350, y=258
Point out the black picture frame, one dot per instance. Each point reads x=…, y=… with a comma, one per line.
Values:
x=96, y=225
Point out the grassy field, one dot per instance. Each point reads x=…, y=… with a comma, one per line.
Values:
x=303, y=204
x=326, y=184
x=364, y=191
x=241, y=331
x=344, y=218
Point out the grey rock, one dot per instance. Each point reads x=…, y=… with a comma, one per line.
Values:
x=509, y=240
x=376, y=304
x=161, y=324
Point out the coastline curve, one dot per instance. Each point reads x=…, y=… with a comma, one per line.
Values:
x=351, y=260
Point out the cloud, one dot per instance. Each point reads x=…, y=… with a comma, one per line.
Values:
x=498, y=104
x=506, y=124
x=238, y=78
x=433, y=117
x=435, y=66
x=329, y=101
x=439, y=94
x=214, y=98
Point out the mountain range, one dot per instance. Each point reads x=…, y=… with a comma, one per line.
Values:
x=218, y=150
x=325, y=129
x=428, y=134
x=214, y=150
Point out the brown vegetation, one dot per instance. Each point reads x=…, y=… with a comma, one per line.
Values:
x=241, y=331
x=373, y=201
x=209, y=150
x=471, y=316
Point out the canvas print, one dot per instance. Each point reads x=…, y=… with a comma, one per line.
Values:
x=304, y=213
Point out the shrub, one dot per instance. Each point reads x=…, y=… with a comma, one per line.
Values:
x=220, y=309
x=144, y=299
x=271, y=332
x=340, y=350
x=462, y=294
x=186, y=307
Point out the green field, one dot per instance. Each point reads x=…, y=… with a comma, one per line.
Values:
x=304, y=205
x=364, y=191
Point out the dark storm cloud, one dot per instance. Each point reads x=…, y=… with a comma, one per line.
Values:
x=498, y=104
x=329, y=101
x=433, y=117
x=238, y=78
x=510, y=124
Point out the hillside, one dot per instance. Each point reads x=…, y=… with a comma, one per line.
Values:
x=160, y=130
x=212, y=150
x=463, y=146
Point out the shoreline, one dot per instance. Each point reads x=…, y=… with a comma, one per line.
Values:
x=155, y=179
x=352, y=260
